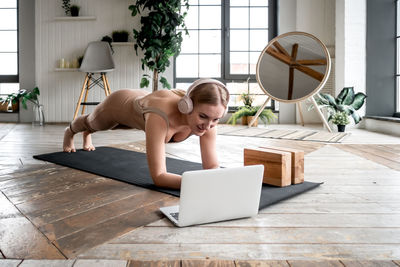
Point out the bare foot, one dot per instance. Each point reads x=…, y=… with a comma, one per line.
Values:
x=68, y=144
x=87, y=142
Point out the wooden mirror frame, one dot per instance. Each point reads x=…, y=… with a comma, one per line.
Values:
x=275, y=50
x=290, y=59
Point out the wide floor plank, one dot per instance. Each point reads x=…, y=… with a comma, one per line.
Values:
x=94, y=235
x=20, y=239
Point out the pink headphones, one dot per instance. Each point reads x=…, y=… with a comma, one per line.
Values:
x=185, y=104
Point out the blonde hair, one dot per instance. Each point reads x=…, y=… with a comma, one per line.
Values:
x=209, y=93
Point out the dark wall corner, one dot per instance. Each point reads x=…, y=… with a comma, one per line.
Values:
x=380, y=58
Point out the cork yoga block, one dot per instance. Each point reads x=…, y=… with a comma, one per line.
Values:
x=297, y=162
x=277, y=168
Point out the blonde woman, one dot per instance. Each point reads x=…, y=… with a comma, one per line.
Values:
x=165, y=116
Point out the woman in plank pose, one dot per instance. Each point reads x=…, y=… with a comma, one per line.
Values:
x=165, y=116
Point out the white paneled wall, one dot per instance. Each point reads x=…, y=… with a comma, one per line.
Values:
x=68, y=39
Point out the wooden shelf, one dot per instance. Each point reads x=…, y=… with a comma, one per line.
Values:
x=123, y=43
x=79, y=18
x=66, y=69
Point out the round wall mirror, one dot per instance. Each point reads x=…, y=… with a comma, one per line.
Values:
x=293, y=66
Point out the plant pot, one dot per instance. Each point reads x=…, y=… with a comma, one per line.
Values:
x=74, y=12
x=341, y=128
x=119, y=36
x=244, y=120
x=4, y=106
x=250, y=118
x=15, y=106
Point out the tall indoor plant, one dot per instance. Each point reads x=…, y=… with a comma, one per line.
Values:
x=158, y=36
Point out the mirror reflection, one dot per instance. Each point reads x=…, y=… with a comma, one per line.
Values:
x=293, y=66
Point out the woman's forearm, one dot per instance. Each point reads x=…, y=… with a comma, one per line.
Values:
x=167, y=179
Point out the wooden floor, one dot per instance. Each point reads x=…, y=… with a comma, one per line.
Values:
x=53, y=212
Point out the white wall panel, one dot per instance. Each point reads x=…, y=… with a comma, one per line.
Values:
x=68, y=40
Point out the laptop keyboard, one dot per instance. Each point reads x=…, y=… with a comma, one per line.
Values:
x=175, y=215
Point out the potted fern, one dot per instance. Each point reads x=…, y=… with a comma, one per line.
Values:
x=266, y=116
x=248, y=102
x=341, y=119
x=247, y=112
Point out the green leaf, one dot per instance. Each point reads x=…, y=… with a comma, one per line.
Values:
x=330, y=99
x=321, y=100
x=356, y=117
x=36, y=91
x=23, y=102
x=165, y=83
x=346, y=96
x=359, y=99
x=144, y=82
x=158, y=35
x=134, y=10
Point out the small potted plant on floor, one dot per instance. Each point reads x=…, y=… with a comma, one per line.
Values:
x=247, y=112
x=247, y=101
x=347, y=101
x=266, y=116
x=341, y=119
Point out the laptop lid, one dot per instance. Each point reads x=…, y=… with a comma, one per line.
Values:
x=220, y=194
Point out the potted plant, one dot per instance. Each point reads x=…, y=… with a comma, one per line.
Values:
x=14, y=99
x=26, y=96
x=74, y=10
x=247, y=100
x=267, y=116
x=120, y=36
x=341, y=119
x=109, y=40
x=158, y=36
x=346, y=101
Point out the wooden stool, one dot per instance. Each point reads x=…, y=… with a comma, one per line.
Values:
x=97, y=60
x=101, y=81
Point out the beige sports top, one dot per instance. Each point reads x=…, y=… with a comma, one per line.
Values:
x=143, y=110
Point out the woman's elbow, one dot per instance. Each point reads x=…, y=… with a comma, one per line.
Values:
x=158, y=180
x=211, y=166
x=167, y=180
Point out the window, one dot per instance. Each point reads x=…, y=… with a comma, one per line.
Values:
x=224, y=42
x=397, y=114
x=8, y=46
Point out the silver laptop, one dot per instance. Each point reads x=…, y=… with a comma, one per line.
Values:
x=217, y=195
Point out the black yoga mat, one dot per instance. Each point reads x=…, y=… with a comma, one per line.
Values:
x=131, y=167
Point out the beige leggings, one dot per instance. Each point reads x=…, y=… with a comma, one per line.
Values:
x=116, y=109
